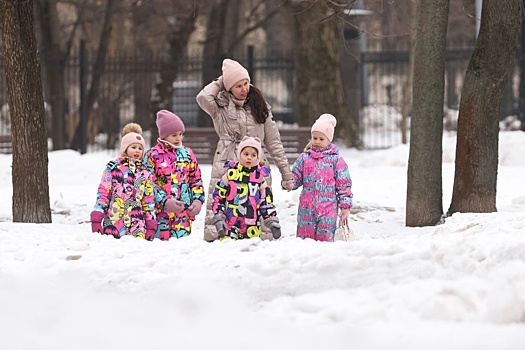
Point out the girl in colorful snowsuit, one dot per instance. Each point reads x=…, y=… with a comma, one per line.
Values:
x=125, y=204
x=242, y=197
x=176, y=175
x=327, y=186
x=238, y=109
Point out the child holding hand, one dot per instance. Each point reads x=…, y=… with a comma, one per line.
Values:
x=327, y=186
x=125, y=204
x=242, y=196
x=176, y=175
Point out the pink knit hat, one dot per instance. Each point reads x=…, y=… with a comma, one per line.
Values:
x=168, y=123
x=232, y=72
x=326, y=124
x=129, y=139
x=131, y=133
x=249, y=141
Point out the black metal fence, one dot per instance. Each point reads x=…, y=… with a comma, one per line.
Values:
x=129, y=81
x=384, y=77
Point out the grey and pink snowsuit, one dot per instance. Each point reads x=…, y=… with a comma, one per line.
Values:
x=327, y=186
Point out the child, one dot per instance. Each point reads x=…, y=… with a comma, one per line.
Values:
x=176, y=175
x=125, y=204
x=326, y=182
x=242, y=197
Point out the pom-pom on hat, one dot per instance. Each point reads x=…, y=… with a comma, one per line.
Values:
x=131, y=133
x=168, y=123
x=232, y=72
x=326, y=124
x=249, y=141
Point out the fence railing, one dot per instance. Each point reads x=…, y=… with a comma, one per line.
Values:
x=128, y=82
x=203, y=142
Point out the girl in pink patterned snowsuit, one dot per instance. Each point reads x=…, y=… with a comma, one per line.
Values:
x=176, y=176
x=125, y=204
x=326, y=182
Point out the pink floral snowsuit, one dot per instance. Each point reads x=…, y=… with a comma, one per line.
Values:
x=327, y=186
x=125, y=196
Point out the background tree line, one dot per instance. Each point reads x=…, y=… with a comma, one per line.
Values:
x=218, y=29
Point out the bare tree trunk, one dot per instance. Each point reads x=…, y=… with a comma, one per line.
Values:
x=407, y=89
x=424, y=185
x=318, y=38
x=521, y=57
x=54, y=62
x=278, y=39
x=142, y=83
x=143, y=79
x=183, y=26
x=26, y=105
x=221, y=30
x=98, y=68
x=478, y=130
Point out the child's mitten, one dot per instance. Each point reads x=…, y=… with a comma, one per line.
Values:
x=220, y=224
x=173, y=205
x=273, y=224
x=96, y=218
x=195, y=208
x=151, y=229
x=343, y=217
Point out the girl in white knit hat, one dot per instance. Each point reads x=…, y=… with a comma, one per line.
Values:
x=238, y=109
x=125, y=203
x=326, y=182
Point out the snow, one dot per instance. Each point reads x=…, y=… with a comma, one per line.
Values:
x=459, y=285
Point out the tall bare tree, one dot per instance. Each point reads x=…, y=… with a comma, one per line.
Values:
x=26, y=104
x=55, y=50
x=98, y=70
x=317, y=30
x=182, y=24
x=407, y=87
x=477, y=139
x=424, y=186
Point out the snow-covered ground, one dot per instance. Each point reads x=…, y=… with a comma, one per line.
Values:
x=460, y=285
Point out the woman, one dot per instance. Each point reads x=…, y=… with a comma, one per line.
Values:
x=238, y=109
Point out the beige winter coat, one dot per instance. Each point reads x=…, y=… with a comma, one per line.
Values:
x=232, y=122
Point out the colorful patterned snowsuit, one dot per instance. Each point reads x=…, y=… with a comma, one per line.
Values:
x=175, y=174
x=125, y=196
x=243, y=195
x=327, y=185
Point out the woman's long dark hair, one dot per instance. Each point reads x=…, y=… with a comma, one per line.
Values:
x=257, y=104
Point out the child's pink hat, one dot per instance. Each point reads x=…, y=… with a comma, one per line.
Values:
x=168, y=123
x=249, y=141
x=131, y=133
x=232, y=72
x=326, y=124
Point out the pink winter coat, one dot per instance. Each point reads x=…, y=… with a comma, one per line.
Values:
x=125, y=196
x=327, y=187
